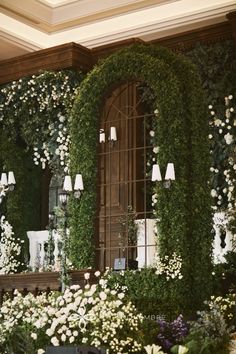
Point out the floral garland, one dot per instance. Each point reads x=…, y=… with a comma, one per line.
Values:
x=223, y=148
x=38, y=108
x=10, y=248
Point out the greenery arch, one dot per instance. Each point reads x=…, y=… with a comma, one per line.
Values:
x=182, y=138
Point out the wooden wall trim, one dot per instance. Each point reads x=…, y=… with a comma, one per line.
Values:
x=187, y=40
x=72, y=55
x=105, y=50
x=69, y=55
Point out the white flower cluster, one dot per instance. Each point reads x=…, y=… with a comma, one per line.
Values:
x=152, y=157
x=55, y=152
x=10, y=248
x=20, y=309
x=95, y=315
x=170, y=267
x=47, y=94
x=223, y=144
x=51, y=95
x=221, y=220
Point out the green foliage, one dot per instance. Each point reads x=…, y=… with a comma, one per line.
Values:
x=20, y=205
x=41, y=97
x=203, y=345
x=129, y=227
x=145, y=289
x=224, y=280
x=28, y=107
x=182, y=136
x=211, y=332
x=216, y=64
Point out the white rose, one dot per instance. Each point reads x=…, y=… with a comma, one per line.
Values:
x=228, y=138
x=63, y=337
x=97, y=273
x=213, y=193
x=152, y=133
x=49, y=332
x=217, y=122
x=55, y=341
x=34, y=336
x=102, y=295
x=86, y=276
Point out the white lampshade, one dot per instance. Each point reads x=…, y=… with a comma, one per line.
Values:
x=156, y=173
x=113, y=136
x=4, y=179
x=102, y=137
x=67, y=186
x=79, y=185
x=170, y=172
x=11, y=178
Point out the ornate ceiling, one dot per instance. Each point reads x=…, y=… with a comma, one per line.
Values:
x=30, y=25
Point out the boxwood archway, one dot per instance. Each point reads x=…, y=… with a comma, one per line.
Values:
x=181, y=135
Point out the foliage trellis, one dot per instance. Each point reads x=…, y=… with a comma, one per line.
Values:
x=182, y=138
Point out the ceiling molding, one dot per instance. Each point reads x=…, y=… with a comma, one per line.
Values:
x=67, y=14
x=149, y=23
x=29, y=47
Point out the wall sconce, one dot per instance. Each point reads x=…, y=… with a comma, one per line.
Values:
x=113, y=135
x=68, y=189
x=169, y=176
x=7, y=183
x=102, y=136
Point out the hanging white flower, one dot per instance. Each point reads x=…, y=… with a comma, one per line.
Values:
x=228, y=138
x=152, y=133
x=156, y=149
x=213, y=193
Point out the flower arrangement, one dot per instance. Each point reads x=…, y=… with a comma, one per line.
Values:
x=94, y=315
x=10, y=248
x=226, y=306
x=171, y=333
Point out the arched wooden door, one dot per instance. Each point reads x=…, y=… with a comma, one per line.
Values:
x=123, y=180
